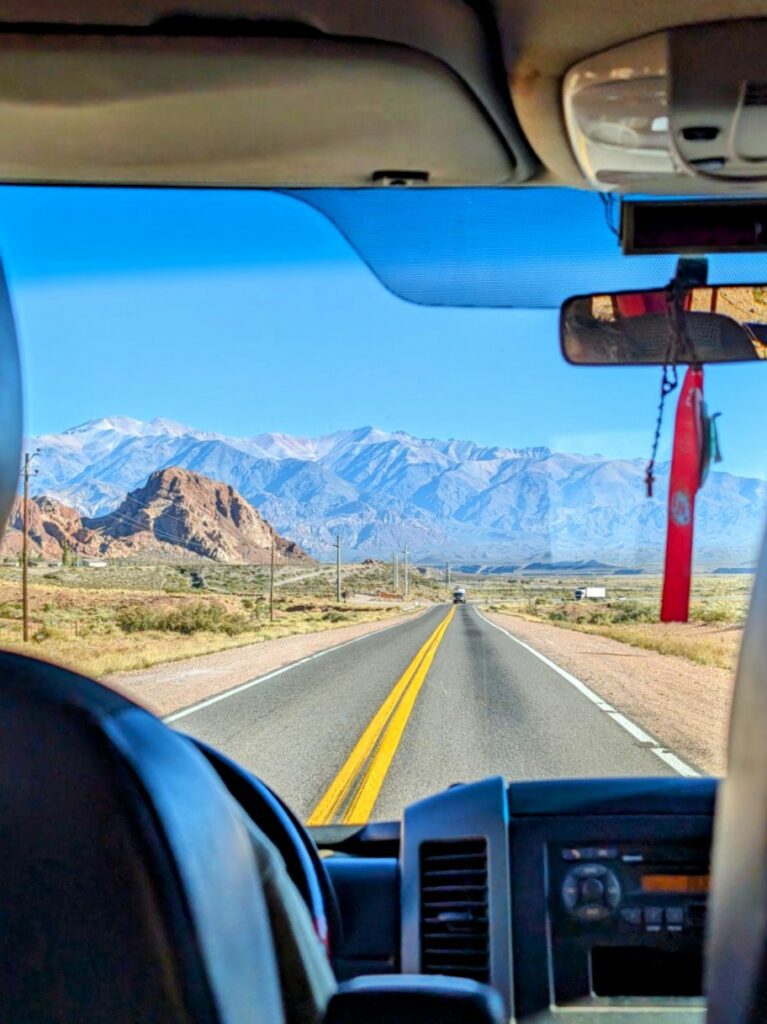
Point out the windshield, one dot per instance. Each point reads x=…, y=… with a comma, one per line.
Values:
x=368, y=547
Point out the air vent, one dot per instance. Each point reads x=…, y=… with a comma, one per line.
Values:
x=455, y=935
x=755, y=95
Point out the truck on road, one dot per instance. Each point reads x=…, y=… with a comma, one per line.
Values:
x=595, y=593
x=459, y=596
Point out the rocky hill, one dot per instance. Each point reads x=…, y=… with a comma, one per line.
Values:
x=53, y=527
x=176, y=513
x=446, y=499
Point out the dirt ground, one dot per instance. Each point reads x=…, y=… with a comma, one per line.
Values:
x=684, y=705
x=173, y=685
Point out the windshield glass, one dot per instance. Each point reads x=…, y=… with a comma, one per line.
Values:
x=369, y=547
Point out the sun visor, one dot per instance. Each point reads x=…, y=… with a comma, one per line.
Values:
x=156, y=110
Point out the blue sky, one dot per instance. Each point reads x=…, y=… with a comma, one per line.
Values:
x=249, y=312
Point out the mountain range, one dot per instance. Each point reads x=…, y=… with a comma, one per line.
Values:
x=175, y=514
x=445, y=499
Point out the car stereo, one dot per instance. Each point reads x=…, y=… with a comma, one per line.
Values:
x=627, y=919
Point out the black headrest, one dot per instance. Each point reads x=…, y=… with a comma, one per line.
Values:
x=128, y=884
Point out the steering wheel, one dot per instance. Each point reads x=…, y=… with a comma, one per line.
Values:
x=299, y=851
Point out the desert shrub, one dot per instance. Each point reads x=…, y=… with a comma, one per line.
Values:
x=97, y=627
x=47, y=632
x=633, y=611
x=598, y=618
x=334, y=616
x=202, y=616
x=137, y=618
x=711, y=614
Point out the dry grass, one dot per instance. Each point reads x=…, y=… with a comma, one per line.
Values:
x=101, y=631
x=698, y=642
x=630, y=613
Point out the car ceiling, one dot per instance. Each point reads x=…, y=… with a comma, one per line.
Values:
x=365, y=86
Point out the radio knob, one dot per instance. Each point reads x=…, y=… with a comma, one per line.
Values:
x=591, y=890
x=584, y=887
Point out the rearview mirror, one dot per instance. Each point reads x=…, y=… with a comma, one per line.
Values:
x=724, y=324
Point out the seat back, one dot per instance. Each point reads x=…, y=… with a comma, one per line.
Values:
x=128, y=886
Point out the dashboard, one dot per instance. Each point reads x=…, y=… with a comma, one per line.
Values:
x=574, y=899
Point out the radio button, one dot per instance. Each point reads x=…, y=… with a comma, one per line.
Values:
x=571, y=853
x=674, y=918
x=589, y=871
x=632, y=916
x=592, y=912
x=653, y=918
x=570, y=892
x=612, y=890
x=589, y=853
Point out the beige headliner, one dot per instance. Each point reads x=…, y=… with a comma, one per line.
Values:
x=540, y=39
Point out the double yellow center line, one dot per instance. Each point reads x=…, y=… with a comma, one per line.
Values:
x=352, y=794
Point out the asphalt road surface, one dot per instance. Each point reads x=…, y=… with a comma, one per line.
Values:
x=367, y=728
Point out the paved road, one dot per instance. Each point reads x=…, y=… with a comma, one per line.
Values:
x=373, y=725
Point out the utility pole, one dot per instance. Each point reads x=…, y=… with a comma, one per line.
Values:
x=271, y=586
x=406, y=589
x=395, y=570
x=447, y=575
x=338, y=568
x=25, y=546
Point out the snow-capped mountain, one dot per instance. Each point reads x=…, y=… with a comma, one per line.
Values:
x=444, y=499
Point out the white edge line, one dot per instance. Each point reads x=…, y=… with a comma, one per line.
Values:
x=639, y=734
x=192, y=708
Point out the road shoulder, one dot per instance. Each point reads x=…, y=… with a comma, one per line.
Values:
x=685, y=706
x=170, y=686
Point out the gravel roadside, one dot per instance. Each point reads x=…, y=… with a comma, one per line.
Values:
x=685, y=706
x=174, y=685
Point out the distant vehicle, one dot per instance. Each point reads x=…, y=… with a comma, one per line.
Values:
x=459, y=596
x=596, y=593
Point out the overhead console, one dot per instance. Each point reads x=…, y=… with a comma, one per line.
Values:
x=665, y=113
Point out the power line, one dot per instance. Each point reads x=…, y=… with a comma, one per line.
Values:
x=135, y=522
x=25, y=547
x=271, y=584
